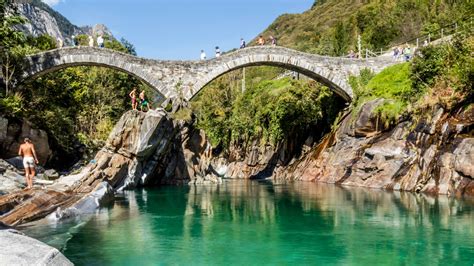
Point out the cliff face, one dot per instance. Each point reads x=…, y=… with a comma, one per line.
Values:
x=42, y=19
x=40, y=22
x=434, y=155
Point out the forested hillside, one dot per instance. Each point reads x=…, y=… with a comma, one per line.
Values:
x=331, y=27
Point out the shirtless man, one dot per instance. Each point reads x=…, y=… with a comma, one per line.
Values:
x=27, y=151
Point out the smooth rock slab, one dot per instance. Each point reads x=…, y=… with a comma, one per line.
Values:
x=18, y=249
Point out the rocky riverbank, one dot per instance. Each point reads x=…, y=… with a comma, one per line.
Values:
x=432, y=155
x=137, y=151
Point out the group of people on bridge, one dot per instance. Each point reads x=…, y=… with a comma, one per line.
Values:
x=260, y=41
x=91, y=41
x=403, y=53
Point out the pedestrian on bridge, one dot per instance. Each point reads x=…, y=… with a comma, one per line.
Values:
x=218, y=52
x=100, y=41
x=203, y=55
x=261, y=40
x=60, y=42
x=396, y=53
x=273, y=40
x=91, y=41
x=407, y=53
x=242, y=43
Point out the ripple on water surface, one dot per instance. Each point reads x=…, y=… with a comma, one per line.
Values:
x=250, y=222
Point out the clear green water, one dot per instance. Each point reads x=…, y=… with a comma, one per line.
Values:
x=256, y=223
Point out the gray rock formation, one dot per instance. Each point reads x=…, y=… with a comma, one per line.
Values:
x=432, y=156
x=42, y=19
x=51, y=174
x=10, y=178
x=12, y=134
x=18, y=249
x=135, y=150
x=39, y=22
x=366, y=122
x=100, y=196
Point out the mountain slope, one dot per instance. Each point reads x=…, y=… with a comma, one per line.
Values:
x=42, y=19
x=331, y=27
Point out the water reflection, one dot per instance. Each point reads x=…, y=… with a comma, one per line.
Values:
x=250, y=222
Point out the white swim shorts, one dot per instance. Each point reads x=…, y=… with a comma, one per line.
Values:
x=29, y=162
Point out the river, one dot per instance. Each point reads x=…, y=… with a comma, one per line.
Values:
x=256, y=222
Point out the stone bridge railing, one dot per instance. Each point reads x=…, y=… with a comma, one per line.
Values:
x=187, y=78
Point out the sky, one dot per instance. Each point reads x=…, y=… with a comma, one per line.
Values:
x=179, y=29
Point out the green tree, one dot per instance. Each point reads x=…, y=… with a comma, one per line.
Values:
x=12, y=44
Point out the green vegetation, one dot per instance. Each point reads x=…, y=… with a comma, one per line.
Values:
x=80, y=105
x=75, y=106
x=440, y=75
x=268, y=110
x=331, y=27
x=273, y=110
x=393, y=84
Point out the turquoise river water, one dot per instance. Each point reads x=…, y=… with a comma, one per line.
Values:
x=261, y=223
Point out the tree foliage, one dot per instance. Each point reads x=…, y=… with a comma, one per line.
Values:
x=76, y=106
x=331, y=27
x=269, y=110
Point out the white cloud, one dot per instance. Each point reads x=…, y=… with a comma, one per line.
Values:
x=51, y=2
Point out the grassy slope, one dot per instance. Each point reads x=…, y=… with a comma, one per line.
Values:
x=332, y=27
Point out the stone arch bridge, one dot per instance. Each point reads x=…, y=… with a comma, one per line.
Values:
x=187, y=78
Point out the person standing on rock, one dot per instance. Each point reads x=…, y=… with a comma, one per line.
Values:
x=133, y=96
x=144, y=104
x=27, y=151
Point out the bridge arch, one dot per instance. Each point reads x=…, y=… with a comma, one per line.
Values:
x=331, y=71
x=53, y=60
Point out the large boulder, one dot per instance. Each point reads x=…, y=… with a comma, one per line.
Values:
x=136, y=149
x=10, y=178
x=18, y=249
x=366, y=122
x=464, y=160
x=12, y=134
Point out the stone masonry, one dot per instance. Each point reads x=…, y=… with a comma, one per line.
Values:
x=186, y=78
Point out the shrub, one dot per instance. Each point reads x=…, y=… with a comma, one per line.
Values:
x=12, y=104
